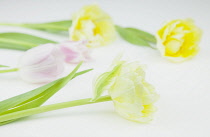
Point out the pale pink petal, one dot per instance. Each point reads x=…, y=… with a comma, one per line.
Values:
x=41, y=64
x=75, y=51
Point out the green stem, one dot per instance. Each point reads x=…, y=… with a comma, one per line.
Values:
x=37, y=26
x=10, y=24
x=9, y=70
x=42, y=109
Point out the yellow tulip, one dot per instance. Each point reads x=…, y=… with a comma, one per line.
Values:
x=133, y=97
x=94, y=25
x=178, y=40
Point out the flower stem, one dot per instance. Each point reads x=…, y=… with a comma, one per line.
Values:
x=9, y=70
x=42, y=109
x=10, y=24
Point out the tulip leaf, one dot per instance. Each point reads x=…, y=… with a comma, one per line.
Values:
x=3, y=66
x=37, y=96
x=135, y=36
x=104, y=81
x=37, y=102
x=8, y=70
x=58, y=26
x=21, y=41
x=6, y=122
x=42, y=97
x=144, y=35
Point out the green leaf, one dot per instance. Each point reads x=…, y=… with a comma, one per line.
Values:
x=6, y=122
x=132, y=36
x=9, y=70
x=3, y=66
x=39, y=100
x=37, y=96
x=103, y=81
x=144, y=35
x=21, y=41
x=58, y=26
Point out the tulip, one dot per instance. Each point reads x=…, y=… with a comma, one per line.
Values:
x=41, y=64
x=132, y=96
x=178, y=40
x=92, y=24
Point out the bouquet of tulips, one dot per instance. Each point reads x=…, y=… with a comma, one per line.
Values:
x=44, y=62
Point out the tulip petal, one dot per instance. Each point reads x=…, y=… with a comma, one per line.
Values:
x=41, y=64
x=75, y=51
x=178, y=40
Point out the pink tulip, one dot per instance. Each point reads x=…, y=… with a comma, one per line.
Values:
x=42, y=64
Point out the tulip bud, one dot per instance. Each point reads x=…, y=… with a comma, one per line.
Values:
x=42, y=64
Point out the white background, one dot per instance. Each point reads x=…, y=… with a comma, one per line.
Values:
x=184, y=105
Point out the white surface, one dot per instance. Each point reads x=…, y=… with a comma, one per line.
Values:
x=184, y=106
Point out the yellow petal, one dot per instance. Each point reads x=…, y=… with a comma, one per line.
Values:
x=178, y=40
x=94, y=25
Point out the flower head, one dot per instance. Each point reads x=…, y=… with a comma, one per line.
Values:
x=133, y=97
x=75, y=51
x=94, y=25
x=41, y=64
x=178, y=40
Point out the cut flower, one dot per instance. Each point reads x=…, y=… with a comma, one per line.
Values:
x=94, y=25
x=41, y=64
x=45, y=63
x=133, y=97
x=178, y=40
